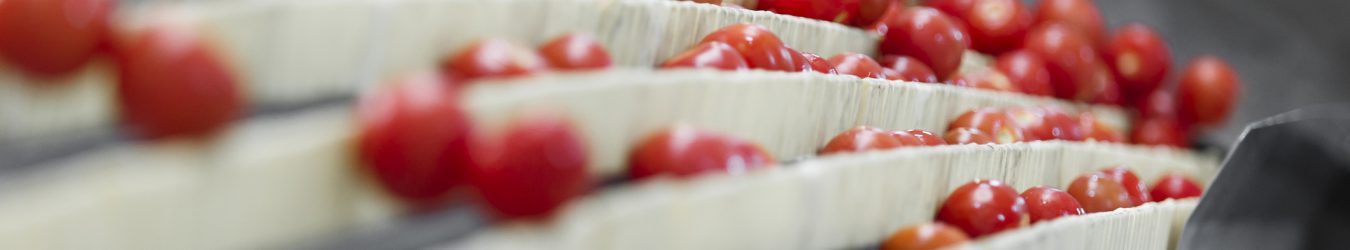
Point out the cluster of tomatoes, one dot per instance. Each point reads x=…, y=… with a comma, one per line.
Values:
x=497, y=58
x=984, y=207
x=983, y=126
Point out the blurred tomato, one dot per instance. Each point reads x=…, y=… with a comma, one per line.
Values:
x=1133, y=187
x=171, y=83
x=860, y=139
x=856, y=64
x=1208, y=91
x=871, y=11
x=819, y=64
x=994, y=122
x=960, y=136
x=493, y=58
x=1160, y=131
x=983, y=207
x=1047, y=203
x=1027, y=71
x=414, y=138
x=1139, y=57
x=997, y=26
x=928, y=138
x=1160, y=103
x=1080, y=14
x=824, y=10
x=1098, y=193
x=575, y=51
x=1068, y=55
x=926, y=236
x=904, y=68
x=1048, y=123
x=1175, y=185
x=990, y=79
x=925, y=34
x=715, y=55
x=50, y=38
x=684, y=151
x=1096, y=130
x=531, y=171
x=760, y=47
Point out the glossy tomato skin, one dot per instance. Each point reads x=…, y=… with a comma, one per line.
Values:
x=1098, y=193
x=714, y=55
x=1139, y=57
x=51, y=38
x=1047, y=123
x=996, y=123
x=1027, y=71
x=959, y=136
x=1160, y=131
x=983, y=207
x=908, y=139
x=871, y=11
x=824, y=10
x=1047, y=203
x=856, y=64
x=171, y=83
x=928, y=138
x=905, y=68
x=1069, y=57
x=531, y=171
x=414, y=138
x=1160, y=103
x=1207, y=92
x=925, y=34
x=1175, y=185
x=1136, y=189
x=1098, y=130
x=819, y=64
x=997, y=26
x=1101, y=88
x=493, y=58
x=684, y=151
x=859, y=139
x=1080, y=14
x=926, y=236
x=990, y=79
x=759, y=46
x=575, y=51
x=951, y=7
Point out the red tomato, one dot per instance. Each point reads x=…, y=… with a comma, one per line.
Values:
x=575, y=52
x=1099, y=193
x=906, y=68
x=536, y=167
x=997, y=26
x=959, y=136
x=927, y=138
x=493, y=58
x=1101, y=89
x=951, y=7
x=1137, y=191
x=1081, y=14
x=925, y=34
x=1048, y=123
x=983, y=207
x=990, y=79
x=908, y=139
x=1160, y=103
x=1174, y=185
x=1027, y=71
x=819, y=64
x=1160, y=131
x=799, y=61
x=1047, y=203
x=870, y=11
x=171, y=83
x=860, y=139
x=992, y=121
x=824, y=10
x=1098, y=131
x=683, y=151
x=414, y=138
x=1208, y=91
x=1068, y=55
x=926, y=236
x=50, y=38
x=760, y=47
x=1139, y=57
x=857, y=65
x=716, y=55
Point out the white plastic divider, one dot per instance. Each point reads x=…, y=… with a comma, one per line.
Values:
x=1149, y=226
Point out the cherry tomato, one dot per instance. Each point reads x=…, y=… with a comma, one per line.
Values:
x=1160, y=103
x=1098, y=131
x=493, y=58
x=983, y=207
x=824, y=10
x=997, y=26
x=1027, y=71
x=1101, y=89
x=860, y=139
x=927, y=138
x=799, y=61
x=1208, y=91
x=760, y=47
x=959, y=136
x=926, y=236
x=951, y=7
x=1048, y=123
x=906, y=68
x=1174, y=185
x=992, y=121
x=414, y=138
x=856, y=64
x=870, y=11
x=1047, y=203
x=50, y=38
x=531, y=171
x=990, y=79
x=575, y=52
x=171, y=83
x=908, y=139
x=1139, y=57
x=1160, y=131
x=925, y=34
x=716, y=55
x=1068, y=55
x=819, y=64
x=1080, y=14
x=683, y=151
x=1098, y=193
x=1137, y=191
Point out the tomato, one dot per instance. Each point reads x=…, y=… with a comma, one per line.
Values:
x=959, y=136
x=870, y=11
x=1208, y=91
x=1139, y=57
x=824, y=10
x=1098, y=131
x=1160, y=103
x=951, y=7
x=759, y=46
x=992, y=121
x=983, y=207
x=798, y=61
x=1048, y=123
x=50, y=38
x=860, y=139
x=906, y=68
x=856, y=64
x=927, y=138
x=908, y=139
x=1027, y=71
x=1101, y=88
x=1098, y=193
x=1068, y=55
x=1080, y=14
x=819, y=64
x=1174, y=185
x=493, y=58
x=716, y=55
x=925, y=34
x=1160, y=131
x=997, y=26
x=926, y=236
x=414, y=138
x=531, y=171
x=575, y=51
x=1137, y=191
x=990, y=79
x=1047, y=203
x=171, y=83
x=684, y=151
